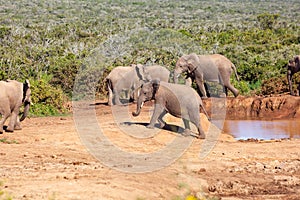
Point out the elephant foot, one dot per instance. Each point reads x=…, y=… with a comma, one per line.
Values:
x=162, y=124
x=223, y=95
x=9, y=130
x=201, y=136
x=150, y=126
x=186, y=132
x=18, y=128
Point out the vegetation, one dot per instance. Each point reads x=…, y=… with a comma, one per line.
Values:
x=52, y=42
x=7, y=141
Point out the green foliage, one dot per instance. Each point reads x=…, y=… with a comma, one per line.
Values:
x=46, y=99
x=267, y=20
x=56, y=40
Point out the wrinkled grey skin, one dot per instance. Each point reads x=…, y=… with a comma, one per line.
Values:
x=132, y=80
x=214, y=68
x=179, y=100
x=12, y=96
x=292, y=67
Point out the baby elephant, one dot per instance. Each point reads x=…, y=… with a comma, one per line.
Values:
x=179, y=100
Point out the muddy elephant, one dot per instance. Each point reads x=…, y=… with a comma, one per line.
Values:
x=213, y=68
x=179, y=100
x=293, y=67
x=12, y=96
x=132, y=79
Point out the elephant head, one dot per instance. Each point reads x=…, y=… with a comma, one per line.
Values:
x=293, y=67
x=26, y=99
x=186, y=63
x=147, y=93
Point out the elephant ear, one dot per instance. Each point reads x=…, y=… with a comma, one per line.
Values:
x=155, y=84
x=192, y=61
x=140, y=71
x=26, y=91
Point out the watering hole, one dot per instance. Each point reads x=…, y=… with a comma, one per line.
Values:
x=263, y=129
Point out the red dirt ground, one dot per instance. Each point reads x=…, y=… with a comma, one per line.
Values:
x=47, y=160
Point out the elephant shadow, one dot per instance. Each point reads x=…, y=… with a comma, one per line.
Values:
x=168, y=127
x=124, y=102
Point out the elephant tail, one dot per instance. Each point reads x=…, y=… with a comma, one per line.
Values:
x=108, y=84
x=201, y=106
x=235, y=72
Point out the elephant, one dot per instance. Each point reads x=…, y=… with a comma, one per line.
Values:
x=214, y=68
x=112, y=78
x=13, y=95
x=292, y=67
x=132, y=79
x=179, y=100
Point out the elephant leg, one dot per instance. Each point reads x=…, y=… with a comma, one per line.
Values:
x=158, y=111
x=12, y=122
x=200, y=84
x=195, y=119
x=110, y=97
x=225, y=92
x=232, y=89
x=162, y=123
x=290, y=82
x=117, y=99
x=18, y=124
x=187, y=128
x=2, y=121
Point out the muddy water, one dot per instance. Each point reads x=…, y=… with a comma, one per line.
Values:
x=260, y=129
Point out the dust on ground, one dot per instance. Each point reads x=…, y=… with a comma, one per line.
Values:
x=47, y=160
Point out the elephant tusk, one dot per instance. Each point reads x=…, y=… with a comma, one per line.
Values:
x=142, y=104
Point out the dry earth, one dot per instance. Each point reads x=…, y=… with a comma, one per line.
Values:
x=47, y=160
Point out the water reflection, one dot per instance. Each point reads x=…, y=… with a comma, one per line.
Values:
x=259, y=129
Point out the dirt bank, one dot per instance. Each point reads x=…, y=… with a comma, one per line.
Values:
x=276, y=107
x=47, y=160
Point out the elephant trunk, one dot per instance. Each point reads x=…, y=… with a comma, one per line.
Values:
x=26, y=110
x=139, y=106
x=176, y=75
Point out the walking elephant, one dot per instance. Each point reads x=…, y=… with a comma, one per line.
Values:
x=292, y=67
x=113, y=77
x=179, y=100
x=13, y=94
x=214, y=68
x=132, y=80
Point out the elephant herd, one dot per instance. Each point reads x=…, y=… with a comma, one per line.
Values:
x=144, y=83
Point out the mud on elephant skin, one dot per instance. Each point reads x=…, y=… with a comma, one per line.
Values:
x=213, y=68
x=130, y=79
x=13, y=95
x=179, y=100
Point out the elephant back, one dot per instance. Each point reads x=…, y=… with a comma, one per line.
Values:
x=158, y=72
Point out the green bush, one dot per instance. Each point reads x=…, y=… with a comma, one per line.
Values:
x=46, y=99
x=50, y=41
